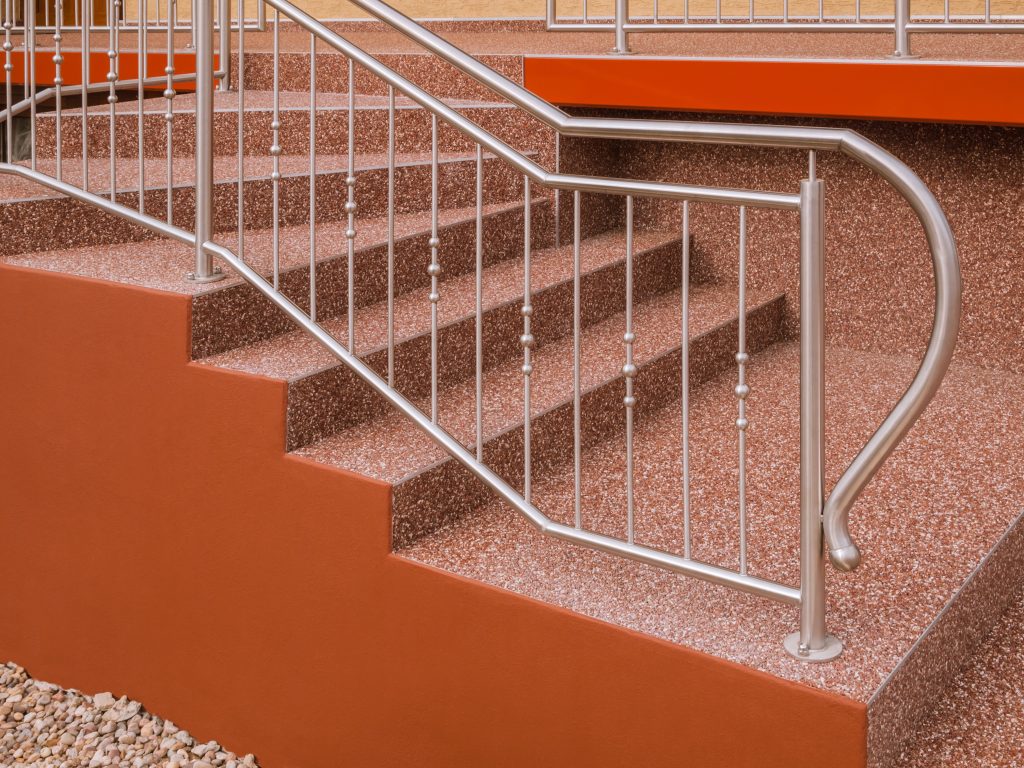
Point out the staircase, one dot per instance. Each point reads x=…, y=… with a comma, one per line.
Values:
x=905, y=620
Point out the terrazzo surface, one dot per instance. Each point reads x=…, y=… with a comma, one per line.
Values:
x=934, y=510
x=979, y=723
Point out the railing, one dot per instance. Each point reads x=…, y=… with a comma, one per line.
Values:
x=312, y=310
x=626, y=16
x=129, y=15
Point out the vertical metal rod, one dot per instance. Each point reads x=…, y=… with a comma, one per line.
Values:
x=742, y=390
x=656, y=14
x=750, y=11
x=224, y=47
x=988, y=11
x=30, y=53
x=945, y=10
x=434, y=270
x=391, y=236
x=902, y=36
x=629, y=372
x=479, y=302
x=527, y=342
x=558, y=192
x=586, y=16
x=350, y=207
x=812, y=430
x=112, y=55
x=275, y=152
x=718, y=11
x=821, y=10
x=687, y=538
x=140, y=96
x=203, y=27
x=58, y=83
x=312, y=178
x=621, y=18
x=576, y=353
x=241, y=132
x=8, y=69
x=686, y=11
x=785, y=10
x=169, y=94
x=86, y=25
x=858, y=10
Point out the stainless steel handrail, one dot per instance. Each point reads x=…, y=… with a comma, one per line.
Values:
x=843, y=553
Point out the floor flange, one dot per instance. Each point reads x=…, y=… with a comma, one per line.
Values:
x=831, y=650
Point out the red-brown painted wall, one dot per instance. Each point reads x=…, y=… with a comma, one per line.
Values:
x=156, y=541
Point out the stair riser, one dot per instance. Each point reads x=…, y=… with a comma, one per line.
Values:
x=412, y=131
x=445, y=492
x=240, y=315
x=431, y=74
x=327, y=402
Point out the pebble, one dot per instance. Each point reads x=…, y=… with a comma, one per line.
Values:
x=46, y=726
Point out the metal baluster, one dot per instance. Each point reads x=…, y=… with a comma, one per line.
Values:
x=391, y=236
x=8, y=68
x=275, y=153
x=785, y=10
x=629, y=372
x=821, y=10
x=479, y=303
x=312, y=178
x=58, y=84
x=686, y=11
x=857, y=10
x=30, y=52
x=945, y=10
x=988, y=11
x=350, y=206
x=112, y=95
x=656, y=15
x=141, y=73
x=576, y=352
x=169, y=94
x=586, y=17
x=88, y=13
x=687, y=541
x=434, y=270
x=558, y=192
x=527, y=341
x=241, y=131
x=750, y=11
x=718, y=11
x=742, y=390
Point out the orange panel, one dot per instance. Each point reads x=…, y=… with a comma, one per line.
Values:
x=158, y=542
x=962, y=93
x=99, y=64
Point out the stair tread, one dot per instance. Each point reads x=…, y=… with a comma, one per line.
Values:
x=369, y=448
x=922, y=535
x=225, y=170
x=296, y=354
x=162, y=264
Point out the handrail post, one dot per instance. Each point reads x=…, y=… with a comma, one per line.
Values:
x=203, y=27
x=902, y=18
x=224, y=46
x=621, y=19
x=812, y=643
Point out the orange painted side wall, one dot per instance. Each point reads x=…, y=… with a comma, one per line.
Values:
x=156, y=541
x=965, y=93
x=99, y=65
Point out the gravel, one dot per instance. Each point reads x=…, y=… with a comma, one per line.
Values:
x=45, y=725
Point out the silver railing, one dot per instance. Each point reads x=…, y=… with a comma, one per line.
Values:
x=623, y=17
x=129, y=15
x=823, y=520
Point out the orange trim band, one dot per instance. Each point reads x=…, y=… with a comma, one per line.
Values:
x=876, y=90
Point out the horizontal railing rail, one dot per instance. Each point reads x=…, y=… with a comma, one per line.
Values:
x=821, y=519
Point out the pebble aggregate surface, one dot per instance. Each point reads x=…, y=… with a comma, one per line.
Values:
x=45, y=725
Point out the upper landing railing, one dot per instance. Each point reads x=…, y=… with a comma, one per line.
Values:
x=302, y=197
x=895, y=16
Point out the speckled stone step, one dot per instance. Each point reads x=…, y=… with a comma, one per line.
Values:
x=412, y=126
x=431, y=490
x=324, y=396
x=35, y=218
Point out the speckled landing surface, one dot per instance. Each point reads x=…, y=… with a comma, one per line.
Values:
x=934, y=512
x=980, y=721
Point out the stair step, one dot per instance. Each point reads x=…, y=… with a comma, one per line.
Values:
x=431, y=489
x=232, y=314
x=324, y=396
x=412, y=126
x=36, y=217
